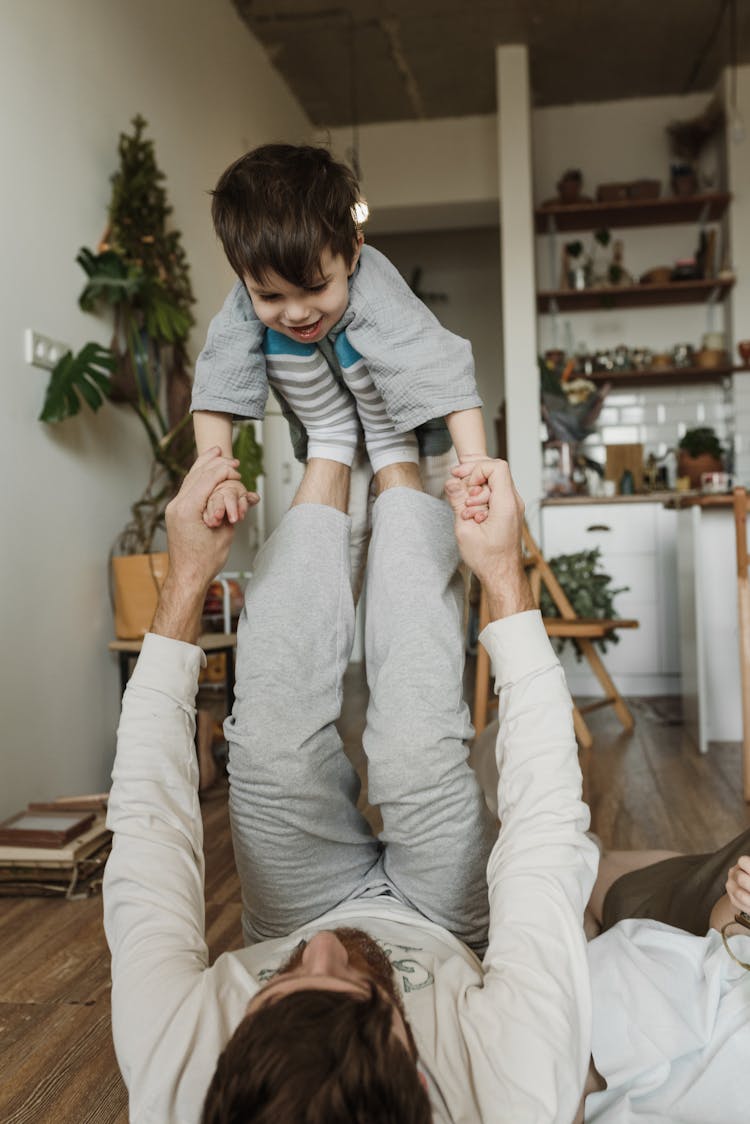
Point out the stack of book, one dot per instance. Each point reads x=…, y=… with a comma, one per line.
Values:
x=57, y=849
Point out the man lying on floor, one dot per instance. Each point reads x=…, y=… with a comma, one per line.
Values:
x=381, y=980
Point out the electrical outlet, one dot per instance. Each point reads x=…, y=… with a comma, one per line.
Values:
x=42, y=351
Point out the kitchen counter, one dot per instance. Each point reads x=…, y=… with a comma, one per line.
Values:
x=639, y=497
x=692, y=499
x=672, y=500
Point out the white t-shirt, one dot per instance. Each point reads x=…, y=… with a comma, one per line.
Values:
x=506, y=1039
x=671, y=1030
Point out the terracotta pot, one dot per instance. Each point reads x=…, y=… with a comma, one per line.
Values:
x=694, y=467
x=136, y=583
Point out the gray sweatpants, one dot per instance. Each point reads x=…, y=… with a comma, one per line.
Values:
x=301, y=845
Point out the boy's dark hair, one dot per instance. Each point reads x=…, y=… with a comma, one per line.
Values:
x=317, y=1057
x=280, y=206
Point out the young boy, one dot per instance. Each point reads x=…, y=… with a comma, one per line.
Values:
x=329, y=324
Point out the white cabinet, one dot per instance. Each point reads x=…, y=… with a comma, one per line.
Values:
x=709, y=625
x=637, y=541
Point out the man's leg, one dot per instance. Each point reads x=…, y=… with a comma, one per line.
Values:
x=436, y=827
x=300, y=844
x=680, y=890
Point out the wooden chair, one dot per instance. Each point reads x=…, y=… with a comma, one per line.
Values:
x=743, y=606
x=568, y=625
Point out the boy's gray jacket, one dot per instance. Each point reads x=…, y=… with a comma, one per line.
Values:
x=421, y=370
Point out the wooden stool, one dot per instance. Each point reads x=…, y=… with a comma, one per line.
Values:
x=582, y=631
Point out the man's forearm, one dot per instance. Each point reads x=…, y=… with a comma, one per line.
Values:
x=508, y=592
x=180, y=610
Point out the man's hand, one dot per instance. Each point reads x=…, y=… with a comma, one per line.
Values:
x=196, y=552
x=492, y=547
x=228, y=502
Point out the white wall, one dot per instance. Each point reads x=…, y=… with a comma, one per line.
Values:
x=72, y=76
x=463, y=264
x=426, y=175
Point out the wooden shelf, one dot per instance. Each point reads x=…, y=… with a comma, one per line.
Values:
x=663, y=376
x=709, y=206
x=634, y=296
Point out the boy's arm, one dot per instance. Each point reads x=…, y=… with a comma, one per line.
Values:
x=466, y=428
x=212, y=429
x=230, y=372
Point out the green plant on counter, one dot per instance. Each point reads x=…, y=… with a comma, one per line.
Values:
x=588, y=589
x=697, y=442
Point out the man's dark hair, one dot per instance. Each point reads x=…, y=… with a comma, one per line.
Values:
x=280, y=206
x=317, y=1057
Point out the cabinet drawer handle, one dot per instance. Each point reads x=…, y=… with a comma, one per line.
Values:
x=598, y=527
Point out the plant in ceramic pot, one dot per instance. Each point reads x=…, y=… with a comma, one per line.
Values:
x=139, y=277
x=699, y=451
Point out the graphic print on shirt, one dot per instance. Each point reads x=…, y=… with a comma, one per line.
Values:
x=412, y=975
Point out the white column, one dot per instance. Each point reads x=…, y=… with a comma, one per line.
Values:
x=517, y=274
x=738, y=321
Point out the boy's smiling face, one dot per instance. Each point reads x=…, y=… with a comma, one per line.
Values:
x=304, y=314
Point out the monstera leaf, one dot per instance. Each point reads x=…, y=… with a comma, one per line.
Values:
x=163, y=318
x=76, y=378
x=110, y=280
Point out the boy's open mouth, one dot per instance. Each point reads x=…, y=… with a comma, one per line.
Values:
x=309, y=331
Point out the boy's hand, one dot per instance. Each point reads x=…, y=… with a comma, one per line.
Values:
x=476, y=504
x=229, y=500
x=738, y=885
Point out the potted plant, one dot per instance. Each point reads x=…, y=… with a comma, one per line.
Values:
x=699, y=451
x=139, y=276
x=589, y=590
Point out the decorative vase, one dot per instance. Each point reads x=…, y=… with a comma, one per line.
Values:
x=136, y=583
x=694, y=467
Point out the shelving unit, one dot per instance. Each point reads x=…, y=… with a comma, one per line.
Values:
x=633, y=296
x=700, y=209
x=661, y=376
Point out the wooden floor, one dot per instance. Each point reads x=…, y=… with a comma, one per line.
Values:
x=649, y=789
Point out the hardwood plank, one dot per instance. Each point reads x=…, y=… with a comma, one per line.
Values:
x=58, y=1064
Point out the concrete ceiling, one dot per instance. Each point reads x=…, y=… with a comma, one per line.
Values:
x=398, y=60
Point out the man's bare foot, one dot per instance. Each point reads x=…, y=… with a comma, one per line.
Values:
x=403, y=474
x=325, y=482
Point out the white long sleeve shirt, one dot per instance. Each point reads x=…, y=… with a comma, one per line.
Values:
x=505, y=1039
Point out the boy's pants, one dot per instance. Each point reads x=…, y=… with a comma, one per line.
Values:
x=301, y=845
